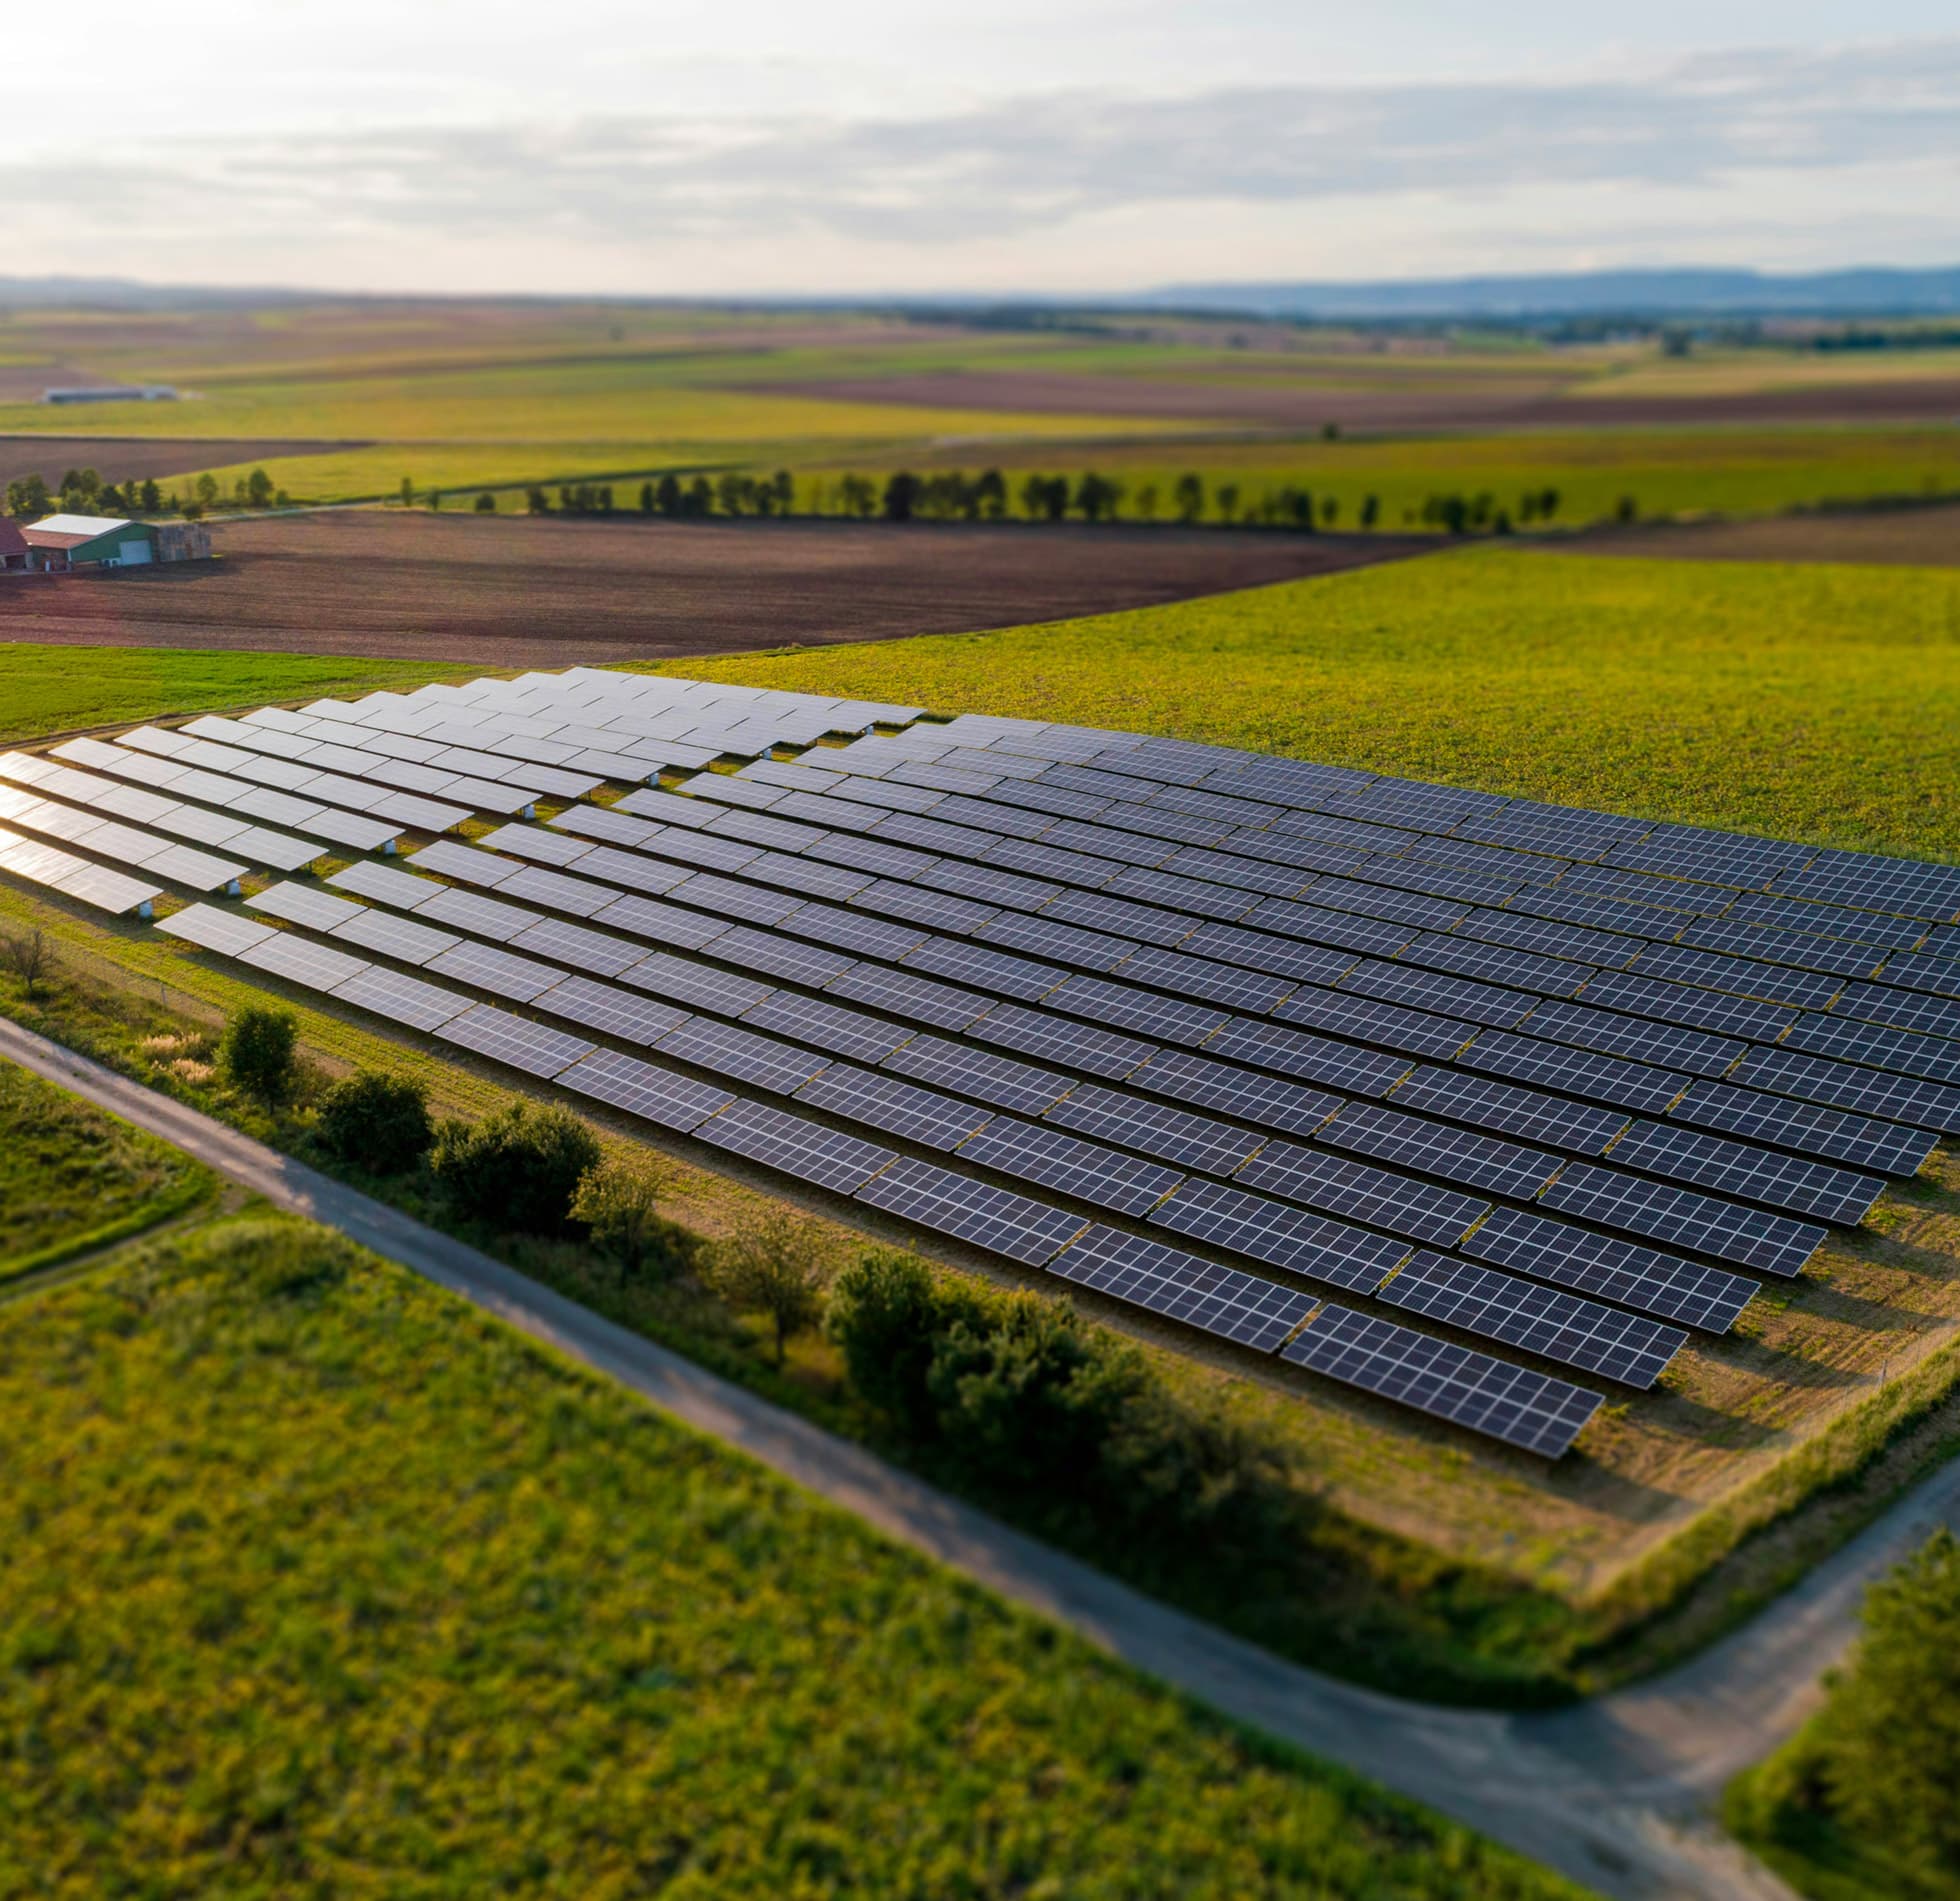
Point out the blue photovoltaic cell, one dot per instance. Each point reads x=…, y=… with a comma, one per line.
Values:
x=1256, y=1313
x=1283, y=1236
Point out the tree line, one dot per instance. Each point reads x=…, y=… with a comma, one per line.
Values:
x=952, y=495
x=84, y=492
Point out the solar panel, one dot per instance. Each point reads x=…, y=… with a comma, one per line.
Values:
x=999, y=971
x=907, y=995
x=1510, y=1403
x=1901, y=1009
x=593, y=952
x=1271, y=955
x=1319, y=926
x=646, y=1090
x=827, y=1026
x=107, y=890
x=387, y=887
x=794, y=1146
x=728, y=1050
x=1459, y=1155
x=1066, y=943
x=1579, y=1072
x=1187, y=1077
x=1368, y=1021
x=1256, y=1313
x=311, y=965
x=899, y=1108
x=1542, y=1320
x=616, y=1012
x=1772, y=1244
x=996, y=1080
x=1611, y=1034
x=1165, y=1018
x=1459, y=996
x=1803, y=1126
x=1841, y=1086
x=1297, y=1053
x=1154, y=1128
x=402, y=999
x=1022, y=1229
x=1708, y=1010
x=662, y=923
x=695, y=986
x=1910, y=1052
x=1339, y=1185
x=938, y=910
x=1034, y=1152
x=1054, y=1039
x=1497, y=1105
x=498, y=971
x=1271, y=1231
x=1188, y=976
x=1615, y=1269
x=847, y=931
x=221, y=931
x=398, y=937
x=1747, y=1172
x=1740, y=976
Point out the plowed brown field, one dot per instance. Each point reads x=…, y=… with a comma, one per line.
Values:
x=546, y=593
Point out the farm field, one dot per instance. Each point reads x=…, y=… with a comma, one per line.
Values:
x=1904, y=537
x=548, y=1633
x=1664, y=472
x=119, y=458
x=73, y=1178
x=522, y=592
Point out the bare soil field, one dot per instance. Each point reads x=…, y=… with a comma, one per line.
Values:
x=520, y=592
x=1904, y=537
x=1505, y=403
x=116, y=458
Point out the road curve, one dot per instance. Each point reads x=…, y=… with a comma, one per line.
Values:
x=1612, y=1793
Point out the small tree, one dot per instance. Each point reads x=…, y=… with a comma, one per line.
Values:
x=435, y=499
x=1371, y=510
x=1890, y=1740
x=901, y=496
x=30, y=956
x=648, y=502
x=1628, y=509
x=258, y=1051
x=700, y=498
x=887, y=1318
x=518, y=1168
x=667, y=495
x=1145, y=503
x=1189, y=498
x=784, y=485
x=152, y=496
x=486, y=503
x=858, y=495
x=207, y=490
x=537, y=502
x=377, y=1122
x=408, y=492
x=620, y=1202
x=1228, y=501
x=258, y=488
x=765, y=1266
x=988, y=495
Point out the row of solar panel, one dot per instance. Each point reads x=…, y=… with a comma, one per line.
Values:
x=1732, y=1232
x=1609, y=1015
x=1676, y=1288
x=1506, y=1402
x=1213, y=869
x=78, y=878
x=122, y=844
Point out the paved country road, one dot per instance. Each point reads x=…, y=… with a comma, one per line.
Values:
x=1613, y=1793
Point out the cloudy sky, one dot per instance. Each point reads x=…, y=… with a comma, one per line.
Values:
x=848, y=146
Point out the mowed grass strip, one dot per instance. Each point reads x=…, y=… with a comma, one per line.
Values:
x=47, y=689
x=315, y=1581
x=1811, y=702
x=73, y=1177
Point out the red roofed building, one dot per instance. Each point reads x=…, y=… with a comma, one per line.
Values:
x=13, y=549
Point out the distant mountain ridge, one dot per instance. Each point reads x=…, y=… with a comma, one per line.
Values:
x=1872, y=291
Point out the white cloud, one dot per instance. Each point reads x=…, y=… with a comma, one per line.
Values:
x=1126, y=185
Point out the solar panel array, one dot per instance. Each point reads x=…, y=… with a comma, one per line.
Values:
x=1094, y=1001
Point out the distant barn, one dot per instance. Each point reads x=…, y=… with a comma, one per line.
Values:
x=97, y=541
x=14, y=554
x=112, y=393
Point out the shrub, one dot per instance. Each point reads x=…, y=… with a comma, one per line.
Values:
x=886, y=1316
x=620, y=1203
x=30, y=956
x=517, y=1169
x=766, y=1266
x=376, y=1122
x=1890, y=1738
x=258, y=1051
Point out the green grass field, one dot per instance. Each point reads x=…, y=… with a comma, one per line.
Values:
x=72, y=1178
x=56, y=689
x=314, y=1581
x=1820, y=703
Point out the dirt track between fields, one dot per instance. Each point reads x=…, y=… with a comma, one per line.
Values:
x=1501, y=403
x=506, y=592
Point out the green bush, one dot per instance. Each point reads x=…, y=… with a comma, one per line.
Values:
x=619, y=1204
x=517, y=1169
x=376, y=1122
x=258, y=1051
x=1011, y=1399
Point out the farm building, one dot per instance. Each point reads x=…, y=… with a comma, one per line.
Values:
x=113, y=393
x=13, y=548
x=96, y=541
